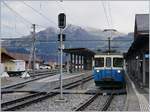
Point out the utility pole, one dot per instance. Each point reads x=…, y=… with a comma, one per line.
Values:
x=109, y=38
x=33, y=53
x=0, y=41
x=0, y=36
x=67, y=63
x=109, y=44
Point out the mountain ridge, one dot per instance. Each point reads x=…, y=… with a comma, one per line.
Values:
x=47, y=44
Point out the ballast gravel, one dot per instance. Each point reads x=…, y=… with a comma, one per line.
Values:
x=97, y=104
x=52, y=103
x=12, y=96
x=118, y=103
x=85, y=85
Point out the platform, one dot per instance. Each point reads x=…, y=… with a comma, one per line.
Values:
x=136, y=101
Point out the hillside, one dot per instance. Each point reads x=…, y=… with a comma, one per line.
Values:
x=76, y=36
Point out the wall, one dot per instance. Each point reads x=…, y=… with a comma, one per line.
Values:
x=9, y=66
x=1, y=68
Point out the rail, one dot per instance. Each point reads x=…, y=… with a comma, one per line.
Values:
x=21, y=102
x=85, y=104
x=24, y=82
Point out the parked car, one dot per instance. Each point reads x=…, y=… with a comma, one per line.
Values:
x=45, y=67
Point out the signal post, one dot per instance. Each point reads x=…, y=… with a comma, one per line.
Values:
x=61, y=38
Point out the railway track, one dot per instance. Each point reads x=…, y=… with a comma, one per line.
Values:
x=85, y=104
x=27, y=100
x=107, y=103
x=43, y=72
x=21, y=84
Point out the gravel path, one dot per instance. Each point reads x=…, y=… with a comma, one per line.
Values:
x=118, y=103
x=51, y=104
x=97, y=104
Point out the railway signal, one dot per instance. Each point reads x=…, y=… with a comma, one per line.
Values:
x=61, y=25
x=109, y=45
x=62, y=20
x=63, y=37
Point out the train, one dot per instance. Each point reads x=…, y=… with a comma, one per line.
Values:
x=108, y=70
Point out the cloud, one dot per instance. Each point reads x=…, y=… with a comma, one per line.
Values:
x=82, y=13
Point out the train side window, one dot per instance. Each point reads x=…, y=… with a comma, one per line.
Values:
x=99, y=62
x=117, y=62
x=108, y=62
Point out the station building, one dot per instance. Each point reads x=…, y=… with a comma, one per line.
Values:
x=137, y=57
x=79, y=58
x=26, y=58
x=7, y=59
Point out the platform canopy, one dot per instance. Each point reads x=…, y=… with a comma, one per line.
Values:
x=80, y=51
x=141, y=35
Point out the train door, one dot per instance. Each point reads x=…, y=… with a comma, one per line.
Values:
x=108, y=66
x=108, y=62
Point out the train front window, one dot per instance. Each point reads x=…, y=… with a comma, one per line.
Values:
x=99, y=62
x=108, y=62
x=117, y=62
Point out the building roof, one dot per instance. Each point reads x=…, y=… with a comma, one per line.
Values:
x=100, y=53
x=142, y=22
x=141, y=41
x=4, y=53
x=21, y=56
x=3, y=50
x=16, y=56
x=80, y=51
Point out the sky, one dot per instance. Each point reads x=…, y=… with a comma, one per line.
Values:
x=119, y=15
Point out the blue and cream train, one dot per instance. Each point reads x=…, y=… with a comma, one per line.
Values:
x=108, y=70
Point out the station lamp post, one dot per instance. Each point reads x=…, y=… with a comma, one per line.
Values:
x=61, y=38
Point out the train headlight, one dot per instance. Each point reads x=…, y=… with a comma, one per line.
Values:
x=119, y=71
x=97, y=70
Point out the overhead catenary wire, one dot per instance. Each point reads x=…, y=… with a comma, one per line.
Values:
x=23, y=18
x=16, y=12
x=68, y=17
x=109, y=11
x=28, y=23
x=49, y=41
x=4, y=25
x=16, y=47
x=80, y=40
x=105, y=12
x=35, y=10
